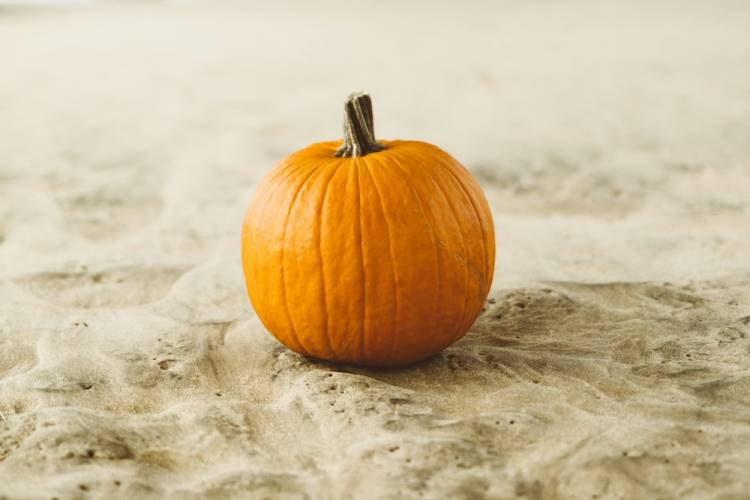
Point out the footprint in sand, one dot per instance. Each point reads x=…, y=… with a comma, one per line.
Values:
x=120, y=287
x=108, y=213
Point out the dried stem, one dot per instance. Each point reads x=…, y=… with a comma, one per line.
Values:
x=359, y=130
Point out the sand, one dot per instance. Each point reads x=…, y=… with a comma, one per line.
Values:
x=612, y=359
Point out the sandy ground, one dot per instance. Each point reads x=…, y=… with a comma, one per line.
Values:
x=612, y=359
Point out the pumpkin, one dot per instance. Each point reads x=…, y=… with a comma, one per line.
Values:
x=376, y=253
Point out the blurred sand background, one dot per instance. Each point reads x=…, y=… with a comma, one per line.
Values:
x=612, y=360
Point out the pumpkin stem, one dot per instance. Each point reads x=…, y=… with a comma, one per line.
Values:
x=359, y=130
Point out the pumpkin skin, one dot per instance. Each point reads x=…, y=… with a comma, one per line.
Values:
x=376, y=260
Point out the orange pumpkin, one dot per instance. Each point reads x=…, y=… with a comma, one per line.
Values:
x=366, y=252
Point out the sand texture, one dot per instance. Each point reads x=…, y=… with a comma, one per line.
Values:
x=611, y=361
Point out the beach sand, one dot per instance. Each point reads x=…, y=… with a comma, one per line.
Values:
x=612, y=359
